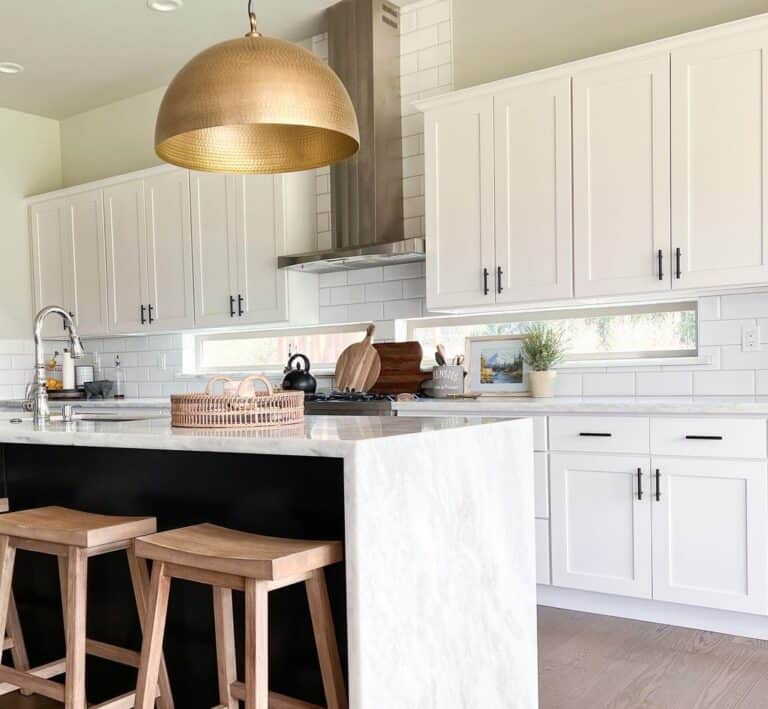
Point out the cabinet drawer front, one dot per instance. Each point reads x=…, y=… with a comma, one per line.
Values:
x=542, y=552
x=599, y=434
x=541, y=484
x=705, y=437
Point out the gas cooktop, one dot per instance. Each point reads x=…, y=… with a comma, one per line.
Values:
x=348, y=403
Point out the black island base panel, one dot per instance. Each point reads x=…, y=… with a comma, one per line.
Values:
x=282, y=496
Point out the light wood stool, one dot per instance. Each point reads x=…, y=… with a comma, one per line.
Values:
x=229, y=560
x=73, y=537
x=14, y=640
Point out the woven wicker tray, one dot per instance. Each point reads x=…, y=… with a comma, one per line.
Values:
x=246, y=409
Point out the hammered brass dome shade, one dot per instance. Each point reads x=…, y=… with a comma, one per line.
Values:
x=256, y=105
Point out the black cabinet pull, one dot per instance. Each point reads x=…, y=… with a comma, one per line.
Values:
x=485, y=281
x=240, y=310
x=703, y=438
x=658, y=485
x=596, y=435
x=499, y=274
x=231, y=306
x=150, y=309
x=639, y=483
x=143, y=316
x=661, y=269
x=677, y=263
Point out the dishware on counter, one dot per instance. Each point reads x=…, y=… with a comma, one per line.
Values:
x=298, y=378
x=359, y=365
x=101, y=389
x=261, y=409
x=84, y=373
x=401, y=371
x=447, y=381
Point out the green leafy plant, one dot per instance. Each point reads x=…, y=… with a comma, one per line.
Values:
x=543, y=347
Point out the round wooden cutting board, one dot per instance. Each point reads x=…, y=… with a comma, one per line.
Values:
x=359, y=366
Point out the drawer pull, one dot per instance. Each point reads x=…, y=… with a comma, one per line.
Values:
x=596, y=435
x=703, y=438
x=658, y=485
x=639, y=483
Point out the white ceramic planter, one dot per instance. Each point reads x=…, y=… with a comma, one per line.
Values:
x=542, y=384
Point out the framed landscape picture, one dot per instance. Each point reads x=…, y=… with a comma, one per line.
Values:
x=496, y=366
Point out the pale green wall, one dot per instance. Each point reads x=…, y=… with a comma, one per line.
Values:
x=110, y=140
x=494, y=39
x=30, y=163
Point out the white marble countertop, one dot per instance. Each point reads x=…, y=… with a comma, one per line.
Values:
x=490, y=406
x=56, y=404
x=321, y=436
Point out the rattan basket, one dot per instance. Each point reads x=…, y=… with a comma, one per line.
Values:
x=244, y=410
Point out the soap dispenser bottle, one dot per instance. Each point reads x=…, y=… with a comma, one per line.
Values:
x=119, y=379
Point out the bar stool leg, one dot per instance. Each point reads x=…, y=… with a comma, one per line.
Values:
x=256, y=645
x=77, y=591
x=325, y=639
x=225, y=645
x=154, y=631
x=7, y=559
x=140, y=581
x=19, y=649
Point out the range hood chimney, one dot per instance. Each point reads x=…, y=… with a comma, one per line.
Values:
x=366, y=190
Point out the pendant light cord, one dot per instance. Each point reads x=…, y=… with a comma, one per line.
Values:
x=252, y=17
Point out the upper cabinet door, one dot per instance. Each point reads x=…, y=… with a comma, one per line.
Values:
x=621, y=181
x=719, y=161
x=169, y=250
x=51, y=267
x=459, y=201
x=533, y=192
x=260, y=229
x=214, y=246
x=126, y=228
x=84, y=231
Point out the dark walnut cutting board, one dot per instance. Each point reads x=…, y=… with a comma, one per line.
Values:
x=400, y=368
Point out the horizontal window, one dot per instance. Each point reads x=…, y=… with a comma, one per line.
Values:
x=269, y=350
x=619, y=333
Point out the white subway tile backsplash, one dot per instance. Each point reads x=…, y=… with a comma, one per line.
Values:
x=709, y=308
x=363, y=312
x=334, y=314
x=419, y=39
x=403, y=271
x=366, y=275
x=664, y=383
x=568, y=384
x=433, y=13
x=732, y=357
x=434, y=56
x=723, y=383
x=608, y=384
x=331, y=280
x=415, y=288
x=396, y=309
x=743, y=305
x=388, y=290
x=345, y=295
x=722, y=332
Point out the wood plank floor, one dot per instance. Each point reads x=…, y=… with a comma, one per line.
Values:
x=599, y=662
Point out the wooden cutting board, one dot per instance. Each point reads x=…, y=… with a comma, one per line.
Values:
x=400, y=368
x=359, y=366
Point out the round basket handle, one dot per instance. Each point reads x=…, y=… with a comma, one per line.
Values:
x=211, y=382
x=255, y=378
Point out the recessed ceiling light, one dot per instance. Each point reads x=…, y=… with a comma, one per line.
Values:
x=10, y=68
x=164, y=5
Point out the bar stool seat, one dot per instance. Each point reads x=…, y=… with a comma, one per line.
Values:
x=231, y=560
x=60, y=525
x=73, y=537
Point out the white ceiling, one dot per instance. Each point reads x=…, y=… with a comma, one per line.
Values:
x=80, y=54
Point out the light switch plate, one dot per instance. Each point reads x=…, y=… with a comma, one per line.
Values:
x=750, y=339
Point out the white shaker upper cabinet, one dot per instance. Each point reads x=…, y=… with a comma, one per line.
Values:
x=126, y=227
x=169, y=251
x=214, y=245
x=621, y=182
x=600, y=520
x=720, y=161
x=84, y=230
x=710, y=532
x=533, y=192
x=459, y=202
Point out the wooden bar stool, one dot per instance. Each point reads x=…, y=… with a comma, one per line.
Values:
x=229, y=560
x=14, y=640
x=73, y=537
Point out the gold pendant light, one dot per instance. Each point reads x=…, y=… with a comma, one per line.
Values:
x=256, y=105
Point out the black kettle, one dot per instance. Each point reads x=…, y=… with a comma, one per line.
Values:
x=299, y=378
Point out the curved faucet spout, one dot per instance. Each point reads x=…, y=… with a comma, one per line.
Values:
x=40, y=409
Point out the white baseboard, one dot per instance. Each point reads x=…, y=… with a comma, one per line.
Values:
x=729, y=622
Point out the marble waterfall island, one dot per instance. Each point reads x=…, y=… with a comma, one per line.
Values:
x=434, y=605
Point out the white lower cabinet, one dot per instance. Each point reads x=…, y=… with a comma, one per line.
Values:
x=709, y=533
x=542, y=552
x=600, y=523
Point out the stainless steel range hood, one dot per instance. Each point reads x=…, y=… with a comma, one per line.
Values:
x=367, y=190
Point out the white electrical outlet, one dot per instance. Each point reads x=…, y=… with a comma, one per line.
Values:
x=750, y=339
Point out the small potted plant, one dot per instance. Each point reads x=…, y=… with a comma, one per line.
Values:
x=543, y=348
